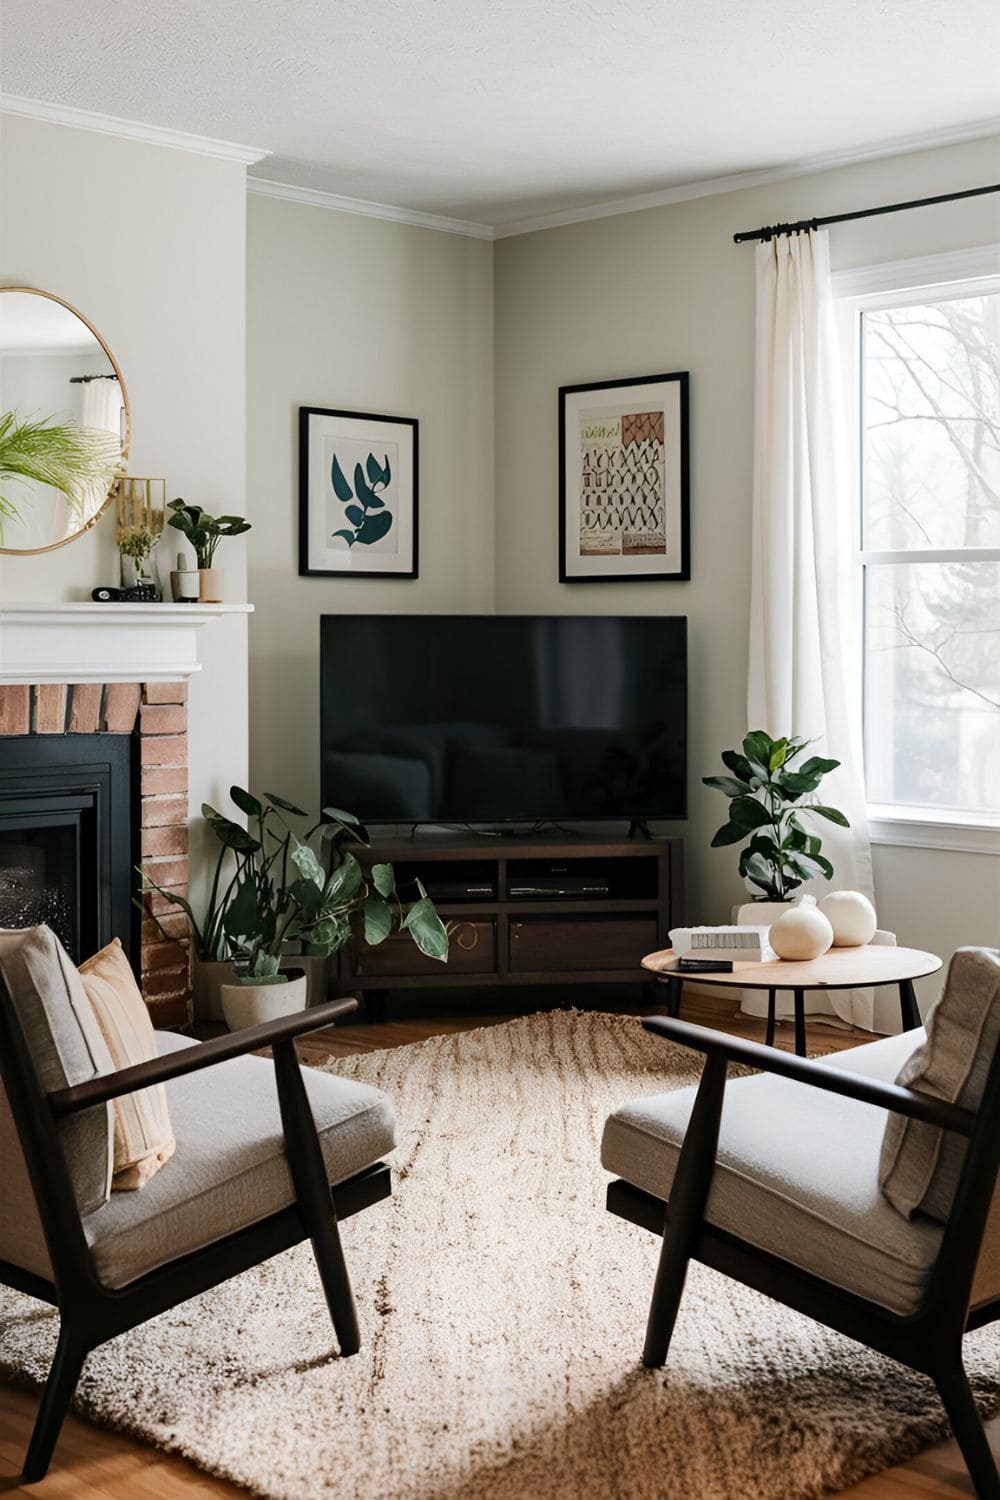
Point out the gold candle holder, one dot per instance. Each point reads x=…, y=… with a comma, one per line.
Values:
x=142, y=502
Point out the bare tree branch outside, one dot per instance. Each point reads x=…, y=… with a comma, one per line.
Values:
x=931, y=483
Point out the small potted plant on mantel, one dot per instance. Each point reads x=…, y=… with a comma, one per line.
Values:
x=205, y=532
x=270, y=893
x=769, y=798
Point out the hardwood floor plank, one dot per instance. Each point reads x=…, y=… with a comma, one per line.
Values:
x=92, y=1463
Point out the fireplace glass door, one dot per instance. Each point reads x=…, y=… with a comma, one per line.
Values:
x=66, y=838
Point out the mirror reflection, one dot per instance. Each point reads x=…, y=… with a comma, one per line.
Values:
x=64, y=422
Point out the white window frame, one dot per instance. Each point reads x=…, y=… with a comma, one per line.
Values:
x=960, y=273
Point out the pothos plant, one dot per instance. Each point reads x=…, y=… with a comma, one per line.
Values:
x=768, y=800
x=270, y=890
x=366, y=509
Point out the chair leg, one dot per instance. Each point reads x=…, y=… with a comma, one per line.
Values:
x=688, y=1195
x=668, y=1288
x=63, y=1376
x=313, y=1192
x=969, y=1431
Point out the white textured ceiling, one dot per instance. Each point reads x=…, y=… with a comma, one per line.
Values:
x=494, y=110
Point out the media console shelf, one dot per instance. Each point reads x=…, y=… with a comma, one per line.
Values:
x=524, y=911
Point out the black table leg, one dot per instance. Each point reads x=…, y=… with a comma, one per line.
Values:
x=800, y=1022
x=674, y=986
x=908, y=1005
x=771, y=1017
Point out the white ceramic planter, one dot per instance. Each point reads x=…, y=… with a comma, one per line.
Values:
x=759, y=913
x=185, y=585
x=252, y=1004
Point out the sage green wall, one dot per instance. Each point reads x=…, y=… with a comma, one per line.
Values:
x=666, y=289
x=361, y=314
x=148, y=242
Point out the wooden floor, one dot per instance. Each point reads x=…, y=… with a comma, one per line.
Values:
x=94, y=1464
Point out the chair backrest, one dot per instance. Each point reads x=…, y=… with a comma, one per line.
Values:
x=49, y=1040
x=939, y=1173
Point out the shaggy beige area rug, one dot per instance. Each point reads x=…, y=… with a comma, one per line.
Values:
x=502, y=1314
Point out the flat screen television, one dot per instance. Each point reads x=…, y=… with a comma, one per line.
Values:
x=504, y=719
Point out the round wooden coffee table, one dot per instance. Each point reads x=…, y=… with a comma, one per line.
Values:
x=839, y=969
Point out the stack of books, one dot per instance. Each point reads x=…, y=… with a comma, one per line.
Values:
x=714, y=950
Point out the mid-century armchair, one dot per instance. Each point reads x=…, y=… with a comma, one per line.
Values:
x=258, y=1147
x=782, y=1182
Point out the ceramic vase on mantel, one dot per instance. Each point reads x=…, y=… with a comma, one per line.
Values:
x=211, y=585
x=251, y=1004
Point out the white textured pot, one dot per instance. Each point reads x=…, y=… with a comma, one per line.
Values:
x=252, y=1004
x=185, y=585
x=759, y=913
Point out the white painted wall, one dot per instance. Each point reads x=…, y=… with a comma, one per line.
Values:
x=148, y=242
x=667, y=290
x=358, y=314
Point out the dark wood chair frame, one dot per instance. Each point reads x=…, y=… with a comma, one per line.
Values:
x=91, y=1313
x=928, y=1340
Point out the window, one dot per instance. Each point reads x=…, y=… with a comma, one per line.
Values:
x=928, y=372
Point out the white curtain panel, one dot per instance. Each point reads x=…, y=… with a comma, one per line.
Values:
x=804, y=619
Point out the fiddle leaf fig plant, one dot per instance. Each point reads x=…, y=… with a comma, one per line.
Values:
x=769, y=797
x=271, y=889
x=203, y=531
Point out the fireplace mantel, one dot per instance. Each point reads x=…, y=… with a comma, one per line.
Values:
x=70, y=643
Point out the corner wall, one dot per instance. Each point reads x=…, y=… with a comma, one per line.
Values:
x=148, y=242
x=665, y=290
x=359, y=314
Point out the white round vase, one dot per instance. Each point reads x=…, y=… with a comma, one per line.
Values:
x=852, y=917
x=802, y=932
x=252, y=1004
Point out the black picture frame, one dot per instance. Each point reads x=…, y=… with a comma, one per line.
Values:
x=635, y=560
x=328, y=480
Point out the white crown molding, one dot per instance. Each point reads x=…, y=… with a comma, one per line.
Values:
x=738, y=181
x=315, y=198
x=980, y=262
x=130, y=130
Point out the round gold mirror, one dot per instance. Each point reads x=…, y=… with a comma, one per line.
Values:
x=64, y=422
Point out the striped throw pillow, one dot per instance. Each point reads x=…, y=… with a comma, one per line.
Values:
x=143, y=1138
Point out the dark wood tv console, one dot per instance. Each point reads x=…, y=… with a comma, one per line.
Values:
x=532, y=911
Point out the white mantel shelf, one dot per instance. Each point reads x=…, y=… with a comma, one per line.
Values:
x=90, y=642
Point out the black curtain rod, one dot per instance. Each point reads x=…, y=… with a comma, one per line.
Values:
x=86, y=379
x=771, y=230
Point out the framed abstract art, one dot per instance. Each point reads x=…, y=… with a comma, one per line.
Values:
x=624, y=480
x=357, y=494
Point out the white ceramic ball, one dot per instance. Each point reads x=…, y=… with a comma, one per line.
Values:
x=803, y=932
x=851, y=916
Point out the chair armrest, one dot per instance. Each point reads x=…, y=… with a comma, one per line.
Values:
x=192, y=1059
x=890, y=1096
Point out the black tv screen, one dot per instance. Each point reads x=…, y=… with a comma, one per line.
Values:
x=503, y=718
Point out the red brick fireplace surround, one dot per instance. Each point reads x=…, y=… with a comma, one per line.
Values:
x=157, y=713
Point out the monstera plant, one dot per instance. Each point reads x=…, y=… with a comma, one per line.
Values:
x=772, y=804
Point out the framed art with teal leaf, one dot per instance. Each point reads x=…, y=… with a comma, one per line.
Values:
x=357, y=494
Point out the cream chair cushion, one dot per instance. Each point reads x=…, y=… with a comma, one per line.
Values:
x=67, y=1048
x=796, y=1174
x=230, y=1168
x=143, y=1140
x=920, y=1163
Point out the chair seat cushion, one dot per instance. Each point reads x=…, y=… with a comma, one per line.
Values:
x=797, y=1174
x=229, y=1169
